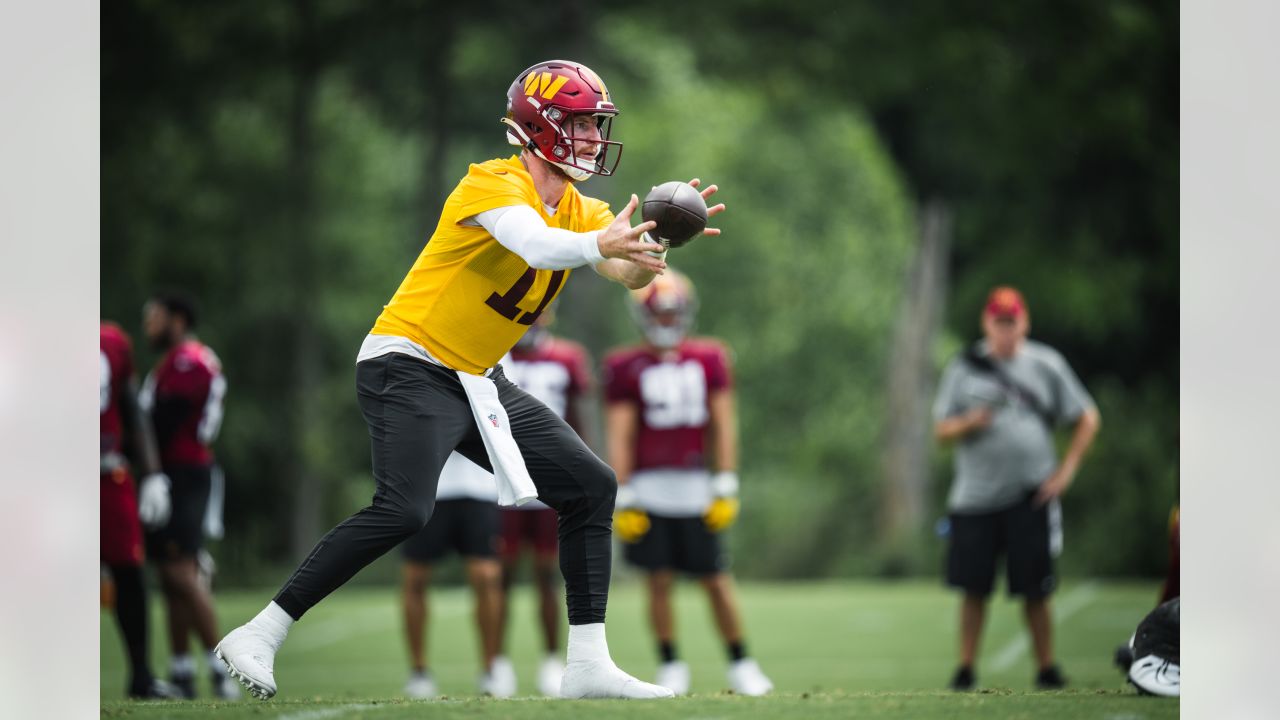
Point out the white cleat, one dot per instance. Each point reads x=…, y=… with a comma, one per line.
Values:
x=674, y=676
x=500, y=681
x=1156, y=676
x=746, y=678
x=421, y=686
x=603, y=679
x=550, y=675
x=250, y=655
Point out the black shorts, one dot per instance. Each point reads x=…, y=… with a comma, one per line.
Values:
x=465, y=526
x=678, y=543
x=1021, y=533
x=183, y=536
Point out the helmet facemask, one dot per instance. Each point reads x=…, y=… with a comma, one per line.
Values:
x=542, y=106
x=665, y=336
x=560, y=149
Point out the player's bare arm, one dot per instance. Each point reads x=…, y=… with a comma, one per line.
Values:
x=630, y=522
x=622, y=421
x=724, y=430
x=1081, y=438
x=140, y=430
x=958, y=426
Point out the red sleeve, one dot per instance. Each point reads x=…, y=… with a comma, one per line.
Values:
x=191, y=377
x=619, y=382
x=119, y=352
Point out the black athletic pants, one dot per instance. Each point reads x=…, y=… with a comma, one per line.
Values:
x=417, y=414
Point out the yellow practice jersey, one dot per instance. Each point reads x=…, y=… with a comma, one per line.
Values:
x=468, y=299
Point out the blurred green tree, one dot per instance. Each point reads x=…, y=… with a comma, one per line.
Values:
x=1052, y=133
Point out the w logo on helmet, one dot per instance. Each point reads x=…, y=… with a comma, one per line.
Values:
x=544, y=83
x=540, y=104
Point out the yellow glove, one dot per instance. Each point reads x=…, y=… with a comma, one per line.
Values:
x=721, y=514
x=630, y=524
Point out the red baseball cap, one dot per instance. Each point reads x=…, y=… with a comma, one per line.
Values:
x=1005, y=301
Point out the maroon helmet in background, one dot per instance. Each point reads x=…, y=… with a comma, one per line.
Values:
x=665, y=308
x=539, y=102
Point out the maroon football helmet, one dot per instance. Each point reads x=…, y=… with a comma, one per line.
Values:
x=665, y=308
x=541, y=106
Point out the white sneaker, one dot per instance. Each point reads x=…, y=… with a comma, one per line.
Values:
x=674, y=676
x=746, y=678
x=550, y=674
x=250, y=654
x=500, y=681
x=603, y=679
x=420, y=685
x=1156, y=676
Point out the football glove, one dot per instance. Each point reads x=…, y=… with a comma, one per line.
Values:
x=724, y=508
x=631, y=525
x=629, y=521
x=153, y=501
x=721, y=514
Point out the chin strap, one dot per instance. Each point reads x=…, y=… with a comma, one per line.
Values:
x=574, y=172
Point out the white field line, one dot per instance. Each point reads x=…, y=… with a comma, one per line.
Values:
x=1071, y=603
x=322, y=713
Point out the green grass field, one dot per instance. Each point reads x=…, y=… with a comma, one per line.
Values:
x=833, y=649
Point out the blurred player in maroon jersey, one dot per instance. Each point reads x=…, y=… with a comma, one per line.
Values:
x=672, y=437
x=184, y=394
x=120, y=538
x=557, y=372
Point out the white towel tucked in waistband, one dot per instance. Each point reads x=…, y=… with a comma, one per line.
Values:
x=515, y=487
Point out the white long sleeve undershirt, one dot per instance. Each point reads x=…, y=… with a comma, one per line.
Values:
x=522, y=230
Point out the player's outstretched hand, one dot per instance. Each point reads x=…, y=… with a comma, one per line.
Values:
x=712, y=210
x=620, y=240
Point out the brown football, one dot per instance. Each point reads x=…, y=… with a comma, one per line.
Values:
x=679, y=210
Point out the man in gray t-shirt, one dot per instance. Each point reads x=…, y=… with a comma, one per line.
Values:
x=1000, y=401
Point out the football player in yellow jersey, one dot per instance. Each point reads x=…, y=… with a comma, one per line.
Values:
x=429, y=383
